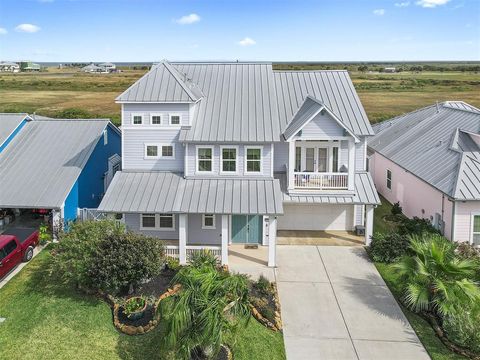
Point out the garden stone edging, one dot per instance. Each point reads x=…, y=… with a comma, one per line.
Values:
x=277, y=326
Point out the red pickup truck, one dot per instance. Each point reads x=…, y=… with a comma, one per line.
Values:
x=16, y=246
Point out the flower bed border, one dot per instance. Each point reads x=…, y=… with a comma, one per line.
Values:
x=277, y=324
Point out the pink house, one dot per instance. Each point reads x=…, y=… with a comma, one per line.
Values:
x=429, y=161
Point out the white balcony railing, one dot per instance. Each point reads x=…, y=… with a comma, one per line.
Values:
x=320, y=181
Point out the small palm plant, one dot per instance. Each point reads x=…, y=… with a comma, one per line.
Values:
x=211, y=304
x=437, y=281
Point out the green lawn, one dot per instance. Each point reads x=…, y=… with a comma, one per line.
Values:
x=432, y=343
x=46, y=320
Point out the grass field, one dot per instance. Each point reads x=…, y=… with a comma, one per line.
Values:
x=92, y=95
x=47, y=320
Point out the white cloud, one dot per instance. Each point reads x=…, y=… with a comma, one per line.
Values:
x=188, y=19
x=27, y=28
x=431, y=3
x=402, y=4
x=3, y=31
x=379, y=12
x=247, y=42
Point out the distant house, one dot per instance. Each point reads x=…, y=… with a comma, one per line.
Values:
x=92, y=68
x=56, y=166
x=9, y=67
x=429, y=161
x=29, y=66
x=390, y=70
x=108, y=66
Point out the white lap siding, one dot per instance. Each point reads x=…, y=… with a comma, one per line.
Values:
x=198, y=236
x=316, y=217
x=463, y=219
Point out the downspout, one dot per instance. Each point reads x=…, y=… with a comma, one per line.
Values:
x=453, y=219
x=443, y=213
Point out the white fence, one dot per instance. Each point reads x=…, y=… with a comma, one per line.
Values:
x=91, y=214
x=321, y=181
x=174, y=251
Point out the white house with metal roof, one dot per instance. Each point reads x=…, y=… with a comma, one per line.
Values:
x=56, y=165
x=429, y=161
x=217, y=153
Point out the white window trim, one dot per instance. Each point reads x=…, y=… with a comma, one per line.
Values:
x=170, y=119
x=105, y=137
x=132, y=115
x=198, y=147
x=213, y=227
x=157, y=223
x=386, y=179
x=472, y=217
x=245, y=172
x=156, y=114
x=236, y=159
x=159, y=148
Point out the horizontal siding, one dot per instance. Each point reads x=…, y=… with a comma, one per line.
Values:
x=321, y=126
x=192, y=153
x=360, y=155
x=132, y=222
x=134, y=141
x=463, y=219
x=162, y=109
x=197, y=235
x=280, y=152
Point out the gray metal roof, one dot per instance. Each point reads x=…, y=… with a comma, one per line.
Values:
x=163, y=83
x=435, y=144
x=365, y=193
x=333, y=88
x=239, y=103
x=8, y=123
x=165, y=192
x=44, y=160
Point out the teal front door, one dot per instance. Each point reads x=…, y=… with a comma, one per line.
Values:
x=246, y=229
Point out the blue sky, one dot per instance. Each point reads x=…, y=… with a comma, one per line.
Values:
x=326, y=30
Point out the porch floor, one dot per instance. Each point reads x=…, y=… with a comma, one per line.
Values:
x=323, y=238
x=252, y=262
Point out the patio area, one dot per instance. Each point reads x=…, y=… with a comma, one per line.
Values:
x=321, y=238
x=253, y=262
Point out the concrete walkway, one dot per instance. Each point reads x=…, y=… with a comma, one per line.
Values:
x=335, y=305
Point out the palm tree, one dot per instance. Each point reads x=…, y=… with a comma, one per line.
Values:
x=211, y=304
x=436, y=280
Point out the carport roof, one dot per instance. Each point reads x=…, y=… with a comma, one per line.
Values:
x=166, y=192
x=40, y=166
x=365, y=193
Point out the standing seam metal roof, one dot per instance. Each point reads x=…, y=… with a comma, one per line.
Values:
x=165, y=192
x=44, y=160
x=431, y=144
x=8, y=123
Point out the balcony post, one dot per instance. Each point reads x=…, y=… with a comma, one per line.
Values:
x=291, y=165
x=351, y=165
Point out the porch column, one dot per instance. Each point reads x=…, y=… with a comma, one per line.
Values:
x=224, y=239
x=272, y=241
x=291, y=164
x=368, y=224
x=182, y=238
x=351, y=164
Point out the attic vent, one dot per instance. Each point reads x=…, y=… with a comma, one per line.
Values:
x=322, y=112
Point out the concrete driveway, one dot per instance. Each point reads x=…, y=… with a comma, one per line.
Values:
x=335, y=305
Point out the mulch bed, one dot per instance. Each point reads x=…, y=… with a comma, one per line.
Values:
x=224, y=354
x=265, y=307
x=143, y=321
x=157, y=285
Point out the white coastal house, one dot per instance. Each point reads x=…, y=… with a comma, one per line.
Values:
x=215, y=154
x=8, y=66
x=429, y=161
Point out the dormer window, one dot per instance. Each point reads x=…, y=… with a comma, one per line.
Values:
x=253, y=159
x=174, y=119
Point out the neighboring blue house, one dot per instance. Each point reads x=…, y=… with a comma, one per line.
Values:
x=60, y=165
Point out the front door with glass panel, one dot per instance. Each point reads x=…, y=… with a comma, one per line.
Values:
x=246, y=229
x=316, y=159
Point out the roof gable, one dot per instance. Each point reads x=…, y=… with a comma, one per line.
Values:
x=163, y=83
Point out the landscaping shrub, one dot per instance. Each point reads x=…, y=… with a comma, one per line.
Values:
x=77, y=249
x=388, y=247
x=463, y=328
x=416, y=226
x=396, y=209
x=124, y=260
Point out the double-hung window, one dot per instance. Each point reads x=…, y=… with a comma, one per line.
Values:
x=151, y=151
x=137, y=119
x=208, y=221
x=204, y=159
x=476, y=229
x=156, y=119
x=229, y=160
x=157, y=222
x=253, y=159
x=389, y=179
